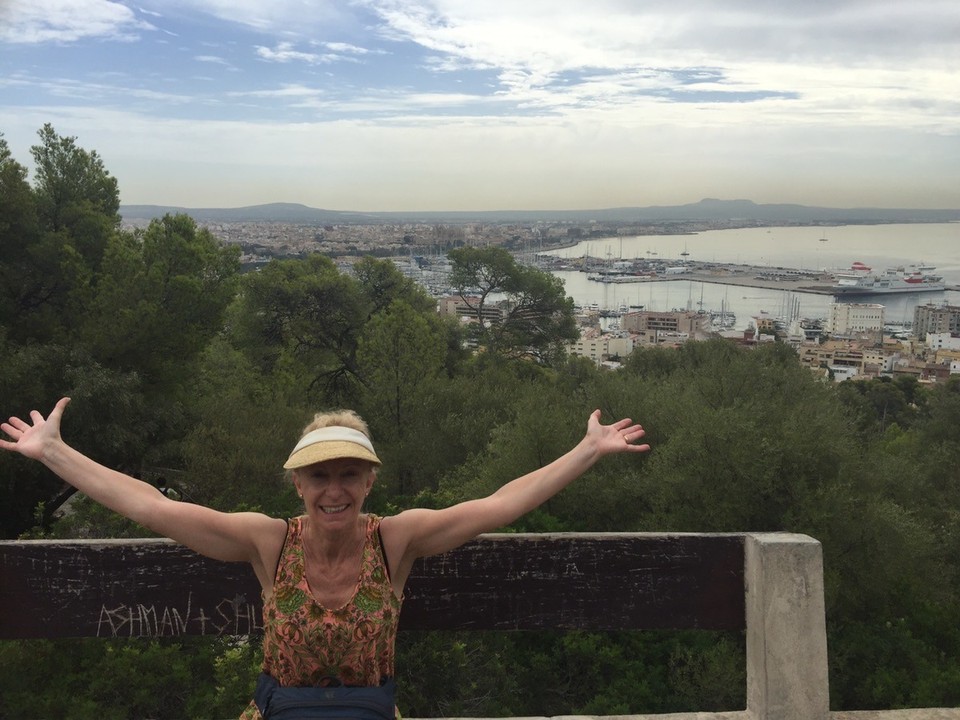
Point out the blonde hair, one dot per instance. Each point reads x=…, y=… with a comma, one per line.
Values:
x=338, y=418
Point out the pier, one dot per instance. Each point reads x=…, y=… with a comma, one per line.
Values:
x=817, y=282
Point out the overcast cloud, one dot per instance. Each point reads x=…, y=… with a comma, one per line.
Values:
x=463, y=105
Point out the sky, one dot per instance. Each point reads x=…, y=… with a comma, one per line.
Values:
x=401, y=105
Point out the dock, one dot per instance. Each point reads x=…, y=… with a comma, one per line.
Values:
x=754, y=276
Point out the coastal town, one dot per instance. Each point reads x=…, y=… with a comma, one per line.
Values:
x=856, y=340
x=262, y=241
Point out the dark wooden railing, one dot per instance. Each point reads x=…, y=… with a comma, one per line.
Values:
x=768, y=585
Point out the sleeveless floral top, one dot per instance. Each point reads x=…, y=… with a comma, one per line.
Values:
x=304, y=642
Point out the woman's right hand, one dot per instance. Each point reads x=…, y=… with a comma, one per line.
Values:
x=33, y=440
x=231, y=537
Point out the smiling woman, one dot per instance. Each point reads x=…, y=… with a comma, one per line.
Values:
x=332, y=579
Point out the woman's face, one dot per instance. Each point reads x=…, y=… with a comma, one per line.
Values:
x=333, y=491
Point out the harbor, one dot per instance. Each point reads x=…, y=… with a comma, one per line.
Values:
x=781, y=272
x=822, y=282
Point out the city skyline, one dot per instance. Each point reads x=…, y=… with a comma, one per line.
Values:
x=395, y=105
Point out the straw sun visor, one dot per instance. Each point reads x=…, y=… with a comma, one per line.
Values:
x=331, y=443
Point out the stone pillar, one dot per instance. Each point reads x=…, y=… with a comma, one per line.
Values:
x=786, y=628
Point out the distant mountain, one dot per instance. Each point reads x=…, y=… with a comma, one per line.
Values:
x=713, y=209
x=708, y=209
x=271, y=212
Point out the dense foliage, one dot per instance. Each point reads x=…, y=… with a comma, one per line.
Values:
x=187, y=372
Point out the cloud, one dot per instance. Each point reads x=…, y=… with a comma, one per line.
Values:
x=605, y=97
x=419, y=162
x=348, y=49
x=97, y=93
x=277, y=16
x=604, y=33
x=65, y=21
x=534, y=41
x=215, y=59
x=284, y=53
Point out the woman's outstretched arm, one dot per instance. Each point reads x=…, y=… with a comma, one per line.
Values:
x=224, y=536
x=421, y=532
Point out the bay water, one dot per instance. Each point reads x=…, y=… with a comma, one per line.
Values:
x=813, y=248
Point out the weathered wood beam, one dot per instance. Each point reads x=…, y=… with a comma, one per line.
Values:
x=607, y=581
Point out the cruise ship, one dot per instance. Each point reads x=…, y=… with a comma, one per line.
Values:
x=862, y=280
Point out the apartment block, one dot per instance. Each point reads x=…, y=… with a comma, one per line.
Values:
x=855, y=318
x=678, y=322
x=936, y=319
x=599, y=346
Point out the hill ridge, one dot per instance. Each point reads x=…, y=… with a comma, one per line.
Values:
x=706, y=209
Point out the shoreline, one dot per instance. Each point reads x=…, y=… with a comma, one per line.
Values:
x=741, y=275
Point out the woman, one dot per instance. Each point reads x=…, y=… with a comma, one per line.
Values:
x=332, y=578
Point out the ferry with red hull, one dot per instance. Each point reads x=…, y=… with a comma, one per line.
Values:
x=862, y=280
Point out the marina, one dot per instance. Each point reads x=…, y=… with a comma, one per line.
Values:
x=787, y=272
x=834, y=283
x=738, y=275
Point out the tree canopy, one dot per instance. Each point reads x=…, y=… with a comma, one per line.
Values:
x=537, y=316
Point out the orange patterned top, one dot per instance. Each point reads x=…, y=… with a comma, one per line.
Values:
x=304, y=642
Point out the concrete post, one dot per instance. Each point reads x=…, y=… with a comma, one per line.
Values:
x=786, y=628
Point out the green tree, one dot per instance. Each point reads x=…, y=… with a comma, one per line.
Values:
x=161, y=298
x=108, y=419
x=100, y=679
x=400, y=357
x=536, y=317
x=301, y=319
x=78, y=204
x=133, y=326
x=75, y=193
x=731, y=424
x=19, y=235
x=382, y=284
x=44, y=275
x=244, y=424
x=880, y=403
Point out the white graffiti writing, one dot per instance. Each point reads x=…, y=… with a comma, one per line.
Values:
x=229, y=617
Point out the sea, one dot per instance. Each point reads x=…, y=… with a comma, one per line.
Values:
x=810, y=248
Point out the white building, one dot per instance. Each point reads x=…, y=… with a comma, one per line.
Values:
x=855, y=318
x=842, y=373
x=882, y=358
x=599, y=346
x=943, y=341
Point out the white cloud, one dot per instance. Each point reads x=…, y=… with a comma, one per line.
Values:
x=99, y=93
x=348, y=49
x=535, y=41
x=38, y=21
x=284, y=53
x=215, y=59
x=285, y=91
